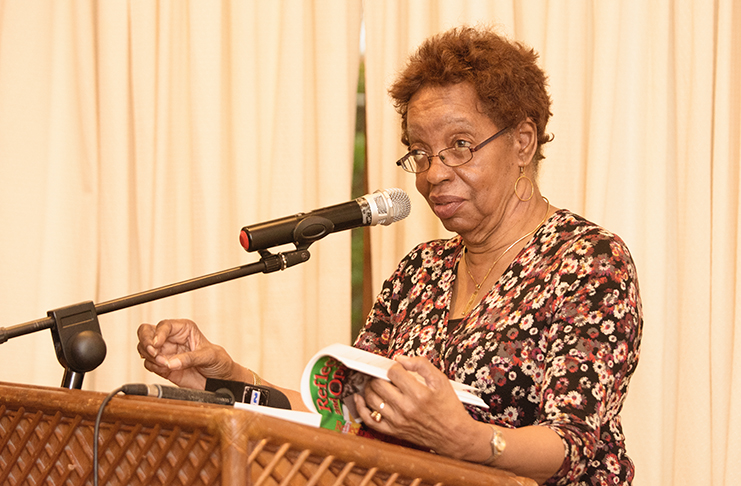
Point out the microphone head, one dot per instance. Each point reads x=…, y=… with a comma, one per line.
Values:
x=388, y=205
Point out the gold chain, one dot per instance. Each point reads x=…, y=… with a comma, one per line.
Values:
x=478, y=285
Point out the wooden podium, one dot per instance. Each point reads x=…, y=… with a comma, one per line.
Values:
x=46, y=437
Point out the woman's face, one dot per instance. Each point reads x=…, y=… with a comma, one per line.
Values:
x=471, y=199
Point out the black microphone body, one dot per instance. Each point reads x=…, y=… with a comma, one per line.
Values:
x=317, y=224
x=175, y=393
x=220, y=392
x=381, y=207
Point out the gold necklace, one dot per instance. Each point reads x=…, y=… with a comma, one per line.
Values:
x=478, y=285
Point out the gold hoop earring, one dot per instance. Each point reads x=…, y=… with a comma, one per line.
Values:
x=532, y=186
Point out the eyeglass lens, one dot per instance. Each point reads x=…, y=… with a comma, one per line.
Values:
x=452, y=157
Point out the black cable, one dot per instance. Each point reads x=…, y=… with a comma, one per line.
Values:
x=96, y=431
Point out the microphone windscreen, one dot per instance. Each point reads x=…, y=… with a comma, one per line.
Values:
x=402, y=203
x=387, y=206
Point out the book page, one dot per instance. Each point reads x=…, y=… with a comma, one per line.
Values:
x=296, y=416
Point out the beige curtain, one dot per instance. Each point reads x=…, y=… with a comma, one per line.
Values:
x=647, y=124
x=138, y=137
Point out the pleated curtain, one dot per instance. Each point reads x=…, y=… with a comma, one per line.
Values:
x=138, y=137
x=647, y=124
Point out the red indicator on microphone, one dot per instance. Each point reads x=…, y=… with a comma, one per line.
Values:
x=244, y=240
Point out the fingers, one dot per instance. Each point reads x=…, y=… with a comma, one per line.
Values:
x=163, y=346
x=154, y=367
x=415, y=365
x=176, y=335
x=145, y=348
x=376, y=405
x=412, y=406
x=380, y=411
x=152, y=338
x=417, y=377
x=383, y=403
x=374, y=415
x=177, y=350
x=145, y=333
x=162, y=334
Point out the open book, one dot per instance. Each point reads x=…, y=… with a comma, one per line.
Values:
x=330, y=379
x=338, y=371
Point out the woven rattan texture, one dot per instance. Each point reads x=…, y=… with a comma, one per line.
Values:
x=38, y=448
x=46, y=438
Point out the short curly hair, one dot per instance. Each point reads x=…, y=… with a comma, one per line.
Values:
x=505, y=75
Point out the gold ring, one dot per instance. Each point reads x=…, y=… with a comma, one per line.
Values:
x=376, y=415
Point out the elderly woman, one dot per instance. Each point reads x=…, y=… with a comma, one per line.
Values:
x=534, y=306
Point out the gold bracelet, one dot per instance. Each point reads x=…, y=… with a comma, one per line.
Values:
x=256, y=381
x=498, y=444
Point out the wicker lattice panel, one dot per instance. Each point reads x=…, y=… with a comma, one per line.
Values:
x=48, y=449
x=286, y=465
x=46, y=438
x=38, y=448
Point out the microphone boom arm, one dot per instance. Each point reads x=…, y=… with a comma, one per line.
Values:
x=75, y=330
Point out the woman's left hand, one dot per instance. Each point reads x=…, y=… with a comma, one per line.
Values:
x=428, y=414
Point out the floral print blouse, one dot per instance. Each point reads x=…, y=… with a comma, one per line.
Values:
x=553, y=343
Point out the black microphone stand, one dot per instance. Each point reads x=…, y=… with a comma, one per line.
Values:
x=75, y=330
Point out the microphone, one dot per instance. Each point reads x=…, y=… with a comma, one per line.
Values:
x=253, y=394
x=175, y=393
x=382, y=207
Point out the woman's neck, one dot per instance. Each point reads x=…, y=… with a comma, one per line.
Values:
x=478, y=272
x=522, y=219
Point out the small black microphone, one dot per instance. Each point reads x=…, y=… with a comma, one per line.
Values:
x=175, y=393
x=253, y=394
x=382, y=207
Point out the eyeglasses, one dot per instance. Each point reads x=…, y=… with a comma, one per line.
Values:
x=417, y=161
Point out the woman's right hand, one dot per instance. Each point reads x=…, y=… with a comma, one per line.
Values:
x=176, y=350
